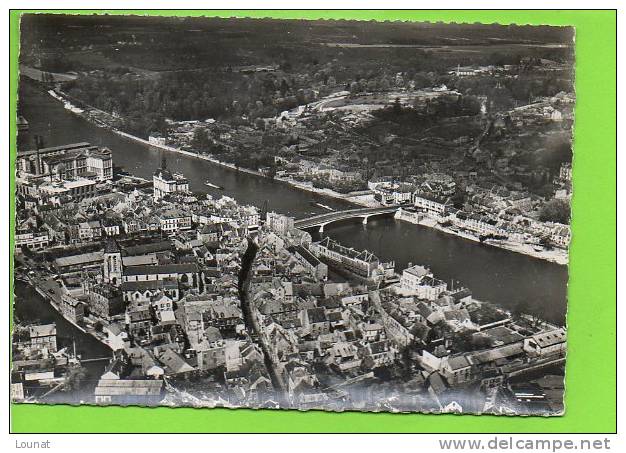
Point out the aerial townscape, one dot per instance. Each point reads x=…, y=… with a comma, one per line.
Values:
x=357, y=216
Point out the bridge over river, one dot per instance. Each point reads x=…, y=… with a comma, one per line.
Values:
x=322, y=220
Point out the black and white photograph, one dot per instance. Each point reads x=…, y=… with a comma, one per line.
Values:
x=328, y=215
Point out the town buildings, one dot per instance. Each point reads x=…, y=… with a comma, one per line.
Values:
x=165, y=182
x=206, y=302
x=32, y=240
x=128, y=392
x=72, y=308
x=170, y=305
x=362, y=263
x=43, y=336
x=279, y=223
x=419, y=281
x=67, y=162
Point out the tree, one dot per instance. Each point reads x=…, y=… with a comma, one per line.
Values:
x=397, y=106
x=469, y=105
x=528, y=309
x=458, y=199
x=368, y=363
x=498, y=59
x=462, y=341
x=556, y=210
x=271, y=173
x=200, y=140
x=480, y=341
x=354, y=87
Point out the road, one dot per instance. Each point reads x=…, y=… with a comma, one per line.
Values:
x=39, y=277
x=36, y=74
x=252, y=325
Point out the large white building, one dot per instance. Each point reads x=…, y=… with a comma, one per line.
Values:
x=279, y=223
x=173, y=220
x=77, y=160
x=101, y=164
x=552, y=342
x=76, y=189
x=431, y=203
x=165, y=182
x=33, y=240
x=419, y=281
x=360, y=262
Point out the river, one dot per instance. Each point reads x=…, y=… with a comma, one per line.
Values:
x=48, y=118
x=506, y=278
x=30, y=307
x=496, y=275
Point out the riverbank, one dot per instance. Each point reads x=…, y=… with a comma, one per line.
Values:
x=33, y=308
x=48, y=298
x=354, y=198
x=556, y=256
x=41, y=76
x=54, y=305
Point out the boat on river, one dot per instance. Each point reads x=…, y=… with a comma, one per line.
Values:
x=215, y=186
x=320, y=205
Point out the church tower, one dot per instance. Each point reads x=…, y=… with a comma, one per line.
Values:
x=112, y=271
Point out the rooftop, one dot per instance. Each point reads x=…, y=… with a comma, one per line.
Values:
x=550, y=338
x=77, y=260
x=111, y=246
x=417, y=270
x=45, y=330
x=162, y=269
x=134, y=387
x=362, y=255
x=54, y=149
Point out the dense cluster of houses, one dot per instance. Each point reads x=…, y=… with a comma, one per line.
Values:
x=488, y=210
x=38, y=364
x=44, y=223
x=174, y=302
x=163, y=280
x=329, y=341
x=170, y=308
x=154, y=277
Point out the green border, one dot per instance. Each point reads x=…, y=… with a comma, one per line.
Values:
x=591, y=367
